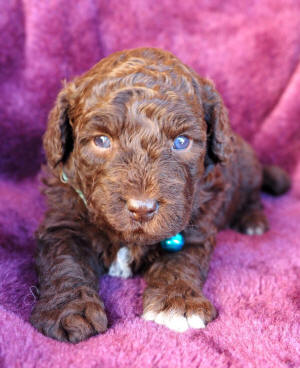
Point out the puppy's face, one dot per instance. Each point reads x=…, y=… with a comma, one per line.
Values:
x=136, y=152
x=138, y=165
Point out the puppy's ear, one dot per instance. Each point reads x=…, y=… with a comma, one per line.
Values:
x=58, y=139
x=219, y=133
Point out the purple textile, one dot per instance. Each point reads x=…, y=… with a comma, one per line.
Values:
x=251, y=49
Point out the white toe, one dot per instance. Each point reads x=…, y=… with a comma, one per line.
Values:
x=195, y=321
x=250, y=231
x=259, y=230
x=149, y=316
x=162, y=318
x=175, y=322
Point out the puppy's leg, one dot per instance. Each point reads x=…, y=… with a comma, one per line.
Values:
x=251, y=219
x=69, y=307
x=173, y=296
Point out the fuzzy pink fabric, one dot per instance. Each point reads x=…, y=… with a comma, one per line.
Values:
x=251, y=49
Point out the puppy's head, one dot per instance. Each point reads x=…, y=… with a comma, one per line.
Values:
x=137, y=146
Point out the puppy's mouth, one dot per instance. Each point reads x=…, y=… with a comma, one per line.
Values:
x=141, y=231
x=133, y=222
x=153, y=228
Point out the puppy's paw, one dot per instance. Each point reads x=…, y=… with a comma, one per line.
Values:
x=73, y=317
x=253, y=223
x=177, y=311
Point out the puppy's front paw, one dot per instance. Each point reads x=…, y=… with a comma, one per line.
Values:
x=73, y=317
x=177, y=310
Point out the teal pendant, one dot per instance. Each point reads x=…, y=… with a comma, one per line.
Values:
x=173, y=244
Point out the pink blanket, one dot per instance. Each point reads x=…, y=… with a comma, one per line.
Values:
x=251, y=49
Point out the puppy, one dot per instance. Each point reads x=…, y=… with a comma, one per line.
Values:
x=143, y=170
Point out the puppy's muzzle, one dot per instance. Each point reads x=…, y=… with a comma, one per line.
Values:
x=142, y=210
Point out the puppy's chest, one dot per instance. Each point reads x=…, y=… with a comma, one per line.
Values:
x=130, y=260
x=121, y=265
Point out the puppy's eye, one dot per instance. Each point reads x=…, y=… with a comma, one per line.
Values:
x=181, y=142
x=102, y=141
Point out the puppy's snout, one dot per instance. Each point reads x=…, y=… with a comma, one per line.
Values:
x=142, y=209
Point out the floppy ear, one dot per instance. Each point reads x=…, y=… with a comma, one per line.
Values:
x=219, y=133
x=58, y=139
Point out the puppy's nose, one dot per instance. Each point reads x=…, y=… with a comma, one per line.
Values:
x=142, y=209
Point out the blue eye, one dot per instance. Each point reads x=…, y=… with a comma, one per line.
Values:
x=181, y=142
x=102, y=141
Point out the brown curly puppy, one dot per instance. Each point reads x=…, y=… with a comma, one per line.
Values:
x=140, y=149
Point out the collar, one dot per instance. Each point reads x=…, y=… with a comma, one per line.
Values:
x=64, y=179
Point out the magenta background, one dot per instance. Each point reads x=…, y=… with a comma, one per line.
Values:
x=251, y=49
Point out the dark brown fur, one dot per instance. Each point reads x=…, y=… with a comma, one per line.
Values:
x=142, y=99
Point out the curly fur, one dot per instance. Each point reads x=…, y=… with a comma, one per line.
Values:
x=142, y=99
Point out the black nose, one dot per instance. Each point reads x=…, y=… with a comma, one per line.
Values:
x=142, y=209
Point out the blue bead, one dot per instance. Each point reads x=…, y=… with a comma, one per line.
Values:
x=173, y=244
